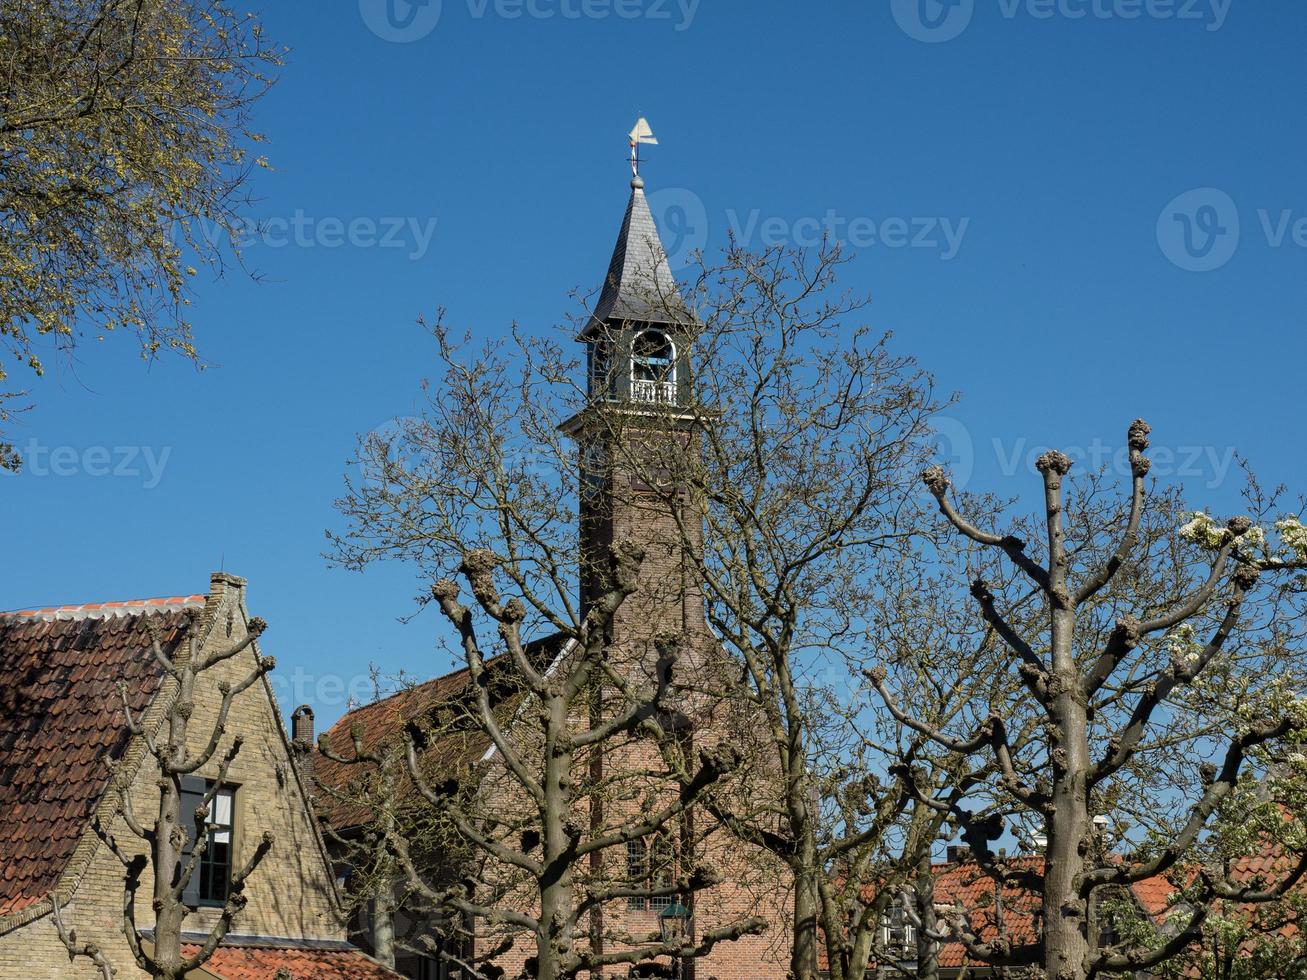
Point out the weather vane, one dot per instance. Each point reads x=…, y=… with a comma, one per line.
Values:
x=641, y=134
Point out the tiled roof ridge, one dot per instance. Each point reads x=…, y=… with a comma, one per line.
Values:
x=998, y=859
x=404, y=689
x=408, y=689
x=105, y=610
x=241, y=940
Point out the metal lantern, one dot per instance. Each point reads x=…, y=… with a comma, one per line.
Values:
x=674, y=922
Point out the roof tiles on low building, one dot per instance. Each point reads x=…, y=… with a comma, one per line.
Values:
x=61, y=720
x=457, y=745
x=247, y=958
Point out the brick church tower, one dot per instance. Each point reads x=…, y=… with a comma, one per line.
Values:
x=638, y=436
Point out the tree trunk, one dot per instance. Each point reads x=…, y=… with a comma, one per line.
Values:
x=1066, y=941
x=927, y=948
x=553, y=936
x=803, y=957
x=167, y=854
x=383, y=924
x=171, y=831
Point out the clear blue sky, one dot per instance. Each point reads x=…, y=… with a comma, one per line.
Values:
x=1037, y=157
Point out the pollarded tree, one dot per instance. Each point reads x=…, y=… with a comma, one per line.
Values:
x=176, y=840
x=1155, y=676
x=125, y=141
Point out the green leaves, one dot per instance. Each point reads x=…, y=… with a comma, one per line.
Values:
x=123, y=133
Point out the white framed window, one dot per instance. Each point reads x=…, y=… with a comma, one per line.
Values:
x=897, y=934
x=651, y=864
x=211, y=878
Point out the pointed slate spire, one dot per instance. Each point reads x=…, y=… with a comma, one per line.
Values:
x=640, y=286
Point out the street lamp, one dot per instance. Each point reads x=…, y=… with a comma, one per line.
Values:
x=674, y=924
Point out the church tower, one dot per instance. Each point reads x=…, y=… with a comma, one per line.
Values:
x=637, y=437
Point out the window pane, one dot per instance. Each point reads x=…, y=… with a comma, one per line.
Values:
x=637, y=870
x=215, y=865
x=222, y=808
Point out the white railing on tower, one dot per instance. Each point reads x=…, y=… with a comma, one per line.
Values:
x=657, y=392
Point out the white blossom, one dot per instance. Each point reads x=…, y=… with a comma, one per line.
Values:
x=1293, y=536
x=1203, y=531
x=1254, y=539
x=1180, y=642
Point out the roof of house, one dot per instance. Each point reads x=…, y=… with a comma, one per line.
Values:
x=639, y=284
x=1009, y=910
x=256, y=958
x=460, y=743
x=966, y=884
x=61, y=721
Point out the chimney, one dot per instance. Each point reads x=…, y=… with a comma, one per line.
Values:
x=220, y=583
x=301, y=736
x=958, y=853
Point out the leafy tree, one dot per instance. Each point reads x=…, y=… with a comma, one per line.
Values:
x=1257, y=834
x=125, y=141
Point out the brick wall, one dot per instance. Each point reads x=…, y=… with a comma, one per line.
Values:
x=753, y=883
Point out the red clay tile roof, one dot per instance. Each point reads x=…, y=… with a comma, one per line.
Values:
x=1018, y=908
x=60, y=720
x=988, y=905
x=976, y=890
x=1153, y=895
x=262, y=963
x=382, y=719
x=124, y=607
